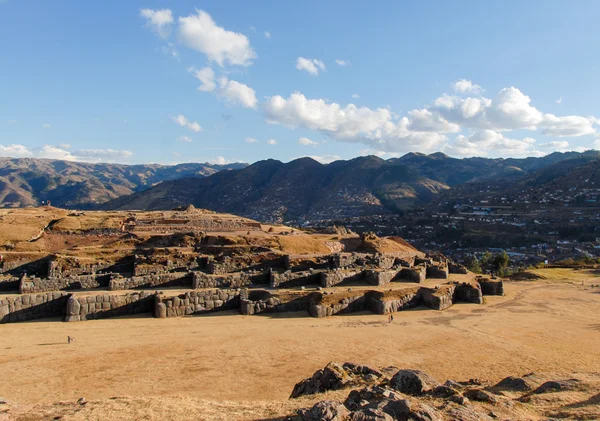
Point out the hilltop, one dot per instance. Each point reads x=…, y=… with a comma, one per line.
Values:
x=305, y=189
x=29, y=181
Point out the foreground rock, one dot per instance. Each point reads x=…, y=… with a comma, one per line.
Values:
x=412, y=395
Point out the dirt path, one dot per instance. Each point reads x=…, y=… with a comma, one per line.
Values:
x=546, y=327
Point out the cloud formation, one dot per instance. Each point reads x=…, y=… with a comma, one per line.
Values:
x=237, y=93
x=200, y=32
x=428, y=129
x=56, y=152
x=159, y=21
x=184, y=122
x=307, y=142
x=310, y=65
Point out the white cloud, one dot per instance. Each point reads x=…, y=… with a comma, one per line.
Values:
x=55, y=152
x=184, y=122
x=378, y=127
x=205, y=75
x=186, y=139
x=101, y=155
x=426, y=121
x=482, y=142
x=237, y=93
x=65, y=145
x=571, y=125
x=219, y=160
x=170, y=50
x=325, y=159
x=380, y=154
x=250, y=140
x=267, y=34
x=46, y=126
x=159, y=20
x=355, y=96
x=466, y=86
x=200, y=32
x=343, y=62
x=312, y=66
x=15, y=151
x=307, y=142
x=271, y=142
x=559, y=100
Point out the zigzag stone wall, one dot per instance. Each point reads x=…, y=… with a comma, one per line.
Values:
x=195, y=303
x=106, y=305
x=34, y=306
x=182, y=279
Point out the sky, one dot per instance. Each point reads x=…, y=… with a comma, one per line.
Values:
x=235, y=81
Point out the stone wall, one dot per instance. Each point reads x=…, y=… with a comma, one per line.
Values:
x=415, y=274
x=382, y=303
x=195, y=302
x=457, y=268
x=491, y=286
x=9, y=283
x=437, y=271
x=61, y=268
x=34, y=306
x=347, y=304
x=381, y=276
x=468, y=293
x=179, y=279
x=289, y=279
x=35, y=284
x=258, y=302
x=231, y=280
x=438, y=298
x=80, y=308
x=336, y=277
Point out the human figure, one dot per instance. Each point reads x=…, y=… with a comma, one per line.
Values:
x=391, y=318
x=70, y=339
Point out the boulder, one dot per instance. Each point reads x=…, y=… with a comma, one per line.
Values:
x=370, y=414
x=334, y=377
x=556, y=386
x=480, y=395
x=516, y=384
x=326, y=411
x=413, y=382
x=372, y=395
x=424, y=412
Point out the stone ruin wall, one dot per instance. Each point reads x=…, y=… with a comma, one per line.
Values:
x=289, y=279
x=34, y=306
x=195, y=303
x=335, y=277
x=180, y=279
x=231, y=280
x=105, y=305
x=34, y=284
x=79, y=308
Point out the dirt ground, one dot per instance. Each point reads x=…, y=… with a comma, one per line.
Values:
x=548, y=326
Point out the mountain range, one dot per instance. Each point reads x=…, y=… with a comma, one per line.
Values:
x=305, y=189
x=273, y=191
x=29, y=181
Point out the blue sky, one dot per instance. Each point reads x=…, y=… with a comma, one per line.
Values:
x=221, y=81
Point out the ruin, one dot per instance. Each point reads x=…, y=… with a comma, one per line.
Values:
x=186, y=250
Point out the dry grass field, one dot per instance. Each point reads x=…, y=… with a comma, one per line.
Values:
x=177, y=368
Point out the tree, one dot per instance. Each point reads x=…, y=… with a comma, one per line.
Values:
x=501, y=261
x=474, y=265
x=486, y=259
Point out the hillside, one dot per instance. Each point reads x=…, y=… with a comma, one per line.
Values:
x=275, y=191
x=28, y=181
x=304, y=189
